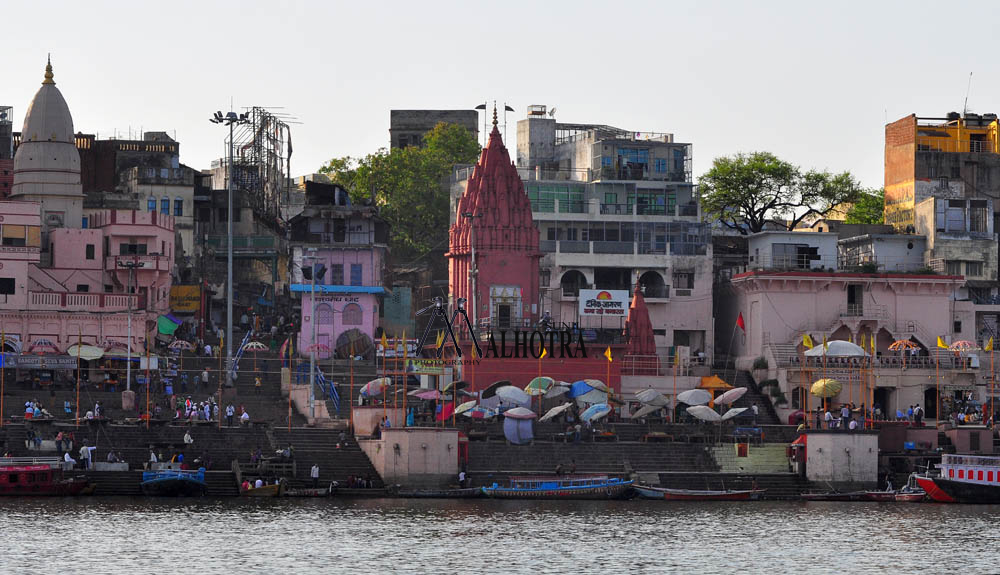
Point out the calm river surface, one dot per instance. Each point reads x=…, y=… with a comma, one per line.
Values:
x=119, y=535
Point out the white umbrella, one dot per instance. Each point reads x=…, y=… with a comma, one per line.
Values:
x=734, y=412
x=467, y=406
x=513, y=394
x=596, y=384
x=591, y=397
x=730, y=396
x=694, y=397
x=645, y=410
x=555, y=411
x=520, y=413
x=704, y=413
x=560, y=388
x=837, y=348
x=87, y=352
x=652, y=397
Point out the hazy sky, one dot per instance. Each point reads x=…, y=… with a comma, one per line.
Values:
x=813, y=83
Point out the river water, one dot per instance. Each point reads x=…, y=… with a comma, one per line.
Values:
x=136, y=535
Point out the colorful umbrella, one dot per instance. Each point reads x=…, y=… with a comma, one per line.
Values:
x=733, y=412
x=694, y=397
x=704, y=413
x=826, y=388
x=375, y=386
x=731, y=396
x=963, y=345
x=259, y=346
x=652, y=397
x=43, y=346
x=181, y=345
x=468, y=405
x=596, y=384
x=595, y=412
x=480, y=412
x=520, y=413
x=539, y=386
x=903, y=345
x=555, y=411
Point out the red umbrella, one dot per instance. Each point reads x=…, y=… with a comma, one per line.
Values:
x=42, y=346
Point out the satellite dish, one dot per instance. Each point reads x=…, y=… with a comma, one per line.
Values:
x=552, y=112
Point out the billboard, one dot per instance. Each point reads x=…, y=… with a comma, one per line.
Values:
x=185, y=298
x=598, y=302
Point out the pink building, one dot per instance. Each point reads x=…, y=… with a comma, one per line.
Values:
x=349, y=242
x=60, y=282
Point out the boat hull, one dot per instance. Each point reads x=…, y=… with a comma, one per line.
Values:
x=173, y=487
x=964, y=492
x=934, y=492
x=620, y=490
x=849, y=496
x=464, y=493
x=60, y=488
x=668, y=494
x=911, y=497
x=880, y=496
x=263, y=491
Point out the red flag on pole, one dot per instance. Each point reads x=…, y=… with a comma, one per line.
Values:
x=740, y=323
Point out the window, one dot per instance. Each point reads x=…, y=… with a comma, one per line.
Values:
x=683, y=279
x=324, y=314
x=661, y=165
x=151, y=205
x=352, y=314
x=132, y=248
x=356, y=275
x=165, y=206
x=974, y=269
x=178, y=207
x=978, y=216
x=953, y=268
x=14, y=235
x=204, y=214
x=571, y=234
x=90, y=251
x=108, y=288
x=82, y=288
x=6, y=286
x=551, y=234
x=607, y=162
x=85, y=223
x=336, y=274
x=223, y=214
x=957, y=327
x=544, y=277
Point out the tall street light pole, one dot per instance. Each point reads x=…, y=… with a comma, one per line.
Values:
x=230, y=119
x=128, y=345
x=474, y=272
x=312, y=320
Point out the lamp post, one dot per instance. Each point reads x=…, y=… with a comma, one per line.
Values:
x=312, y=320
x=128, y=345
x=474, y=272
x=230, y=119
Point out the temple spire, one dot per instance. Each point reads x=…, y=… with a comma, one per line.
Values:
x=494, y=114
x=48, y=72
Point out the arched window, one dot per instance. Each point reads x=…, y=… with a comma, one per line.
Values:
x=653, y=285
x=352, y=314
x=165, y=206
x=572, y=282
x=324, y=314
x=178, y=206
x=151, y=204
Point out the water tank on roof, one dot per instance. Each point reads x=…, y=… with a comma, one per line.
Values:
x=953, y=116
x=536, y=110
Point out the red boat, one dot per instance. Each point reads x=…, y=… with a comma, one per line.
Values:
x=880, y=496
x=934, y=492
x=38, y=480
x=910, y=496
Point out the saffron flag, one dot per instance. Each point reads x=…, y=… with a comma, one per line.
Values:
x=740, y=323
x=807, y=341
x=607, y=354
x=863, y=341
x=872, y=340
x=440, y=339
x=545, y=352
x=989, y=345
x=941, y=343
x=824, y=343
x=385, y=343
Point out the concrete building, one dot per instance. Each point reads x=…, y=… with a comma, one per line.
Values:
x=408, y=127
x=170, y=192
x=350, y=242
x=792, y=251
x=882, y=253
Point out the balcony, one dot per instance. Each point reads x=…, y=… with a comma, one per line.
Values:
x=335, y=239
x=92, y=302
x=622, y=248
x=156, y=263
x=243, y=243
x=860, y=311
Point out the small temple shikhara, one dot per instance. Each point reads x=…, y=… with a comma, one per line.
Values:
x=494, y=214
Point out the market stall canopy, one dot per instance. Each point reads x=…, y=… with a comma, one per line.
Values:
x=694, y=397
x=595, y=412
x=652, y=397
x=704, y=413
x=42, y=345
x=85, y=352
x=731, y=396
x=713, y=382
x=520, y=413
x=645, y=410
x=826, y=388
x=555, y=411
x=837, y=348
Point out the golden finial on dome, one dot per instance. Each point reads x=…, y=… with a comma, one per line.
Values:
x=494, y=113
x=48, y=72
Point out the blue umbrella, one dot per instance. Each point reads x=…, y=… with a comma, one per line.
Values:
x=596, y=411
x=577, y=389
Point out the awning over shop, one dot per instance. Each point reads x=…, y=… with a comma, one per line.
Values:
x=85, y=352
x=166, y=325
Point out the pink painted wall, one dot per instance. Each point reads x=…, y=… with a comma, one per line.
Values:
x=330, y=318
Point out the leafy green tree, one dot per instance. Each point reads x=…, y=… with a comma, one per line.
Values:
x=869, y=208
x=747, y=191
x=410, y=186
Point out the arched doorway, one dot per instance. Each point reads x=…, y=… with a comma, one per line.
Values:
x=930, y=403
x=356, y=341
x=572, y=282
x=652, y=285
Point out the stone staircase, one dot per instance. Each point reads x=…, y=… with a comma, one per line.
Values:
x=753, y=396
x=319, y=446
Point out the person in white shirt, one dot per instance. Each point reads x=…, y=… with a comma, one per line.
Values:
x=188, y=440
x=461, y=478
x=853, y=425
x=258, y=483
x=245, y=418
x=86, y=452
x=69, y=459
x=828, y=418
x=314, y=474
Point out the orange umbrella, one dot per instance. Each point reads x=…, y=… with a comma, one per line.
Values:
x=903, y=345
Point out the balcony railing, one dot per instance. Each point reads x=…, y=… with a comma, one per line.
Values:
x=865, y=311
x=80, y=301
x=141, y=263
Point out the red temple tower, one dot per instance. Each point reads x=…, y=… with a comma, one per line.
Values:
x=494, y=225
x=640, y=352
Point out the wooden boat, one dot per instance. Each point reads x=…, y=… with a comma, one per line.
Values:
x=264, y=491
x=880, y=496
x=462, y=493
x=836, y=496
x=562, y=487
x=935, y=493
x=910, y=496
x=307, y=492
x=174, y=483
x=648, y=492
x=38, y=479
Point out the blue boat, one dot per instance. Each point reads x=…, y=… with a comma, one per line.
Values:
x=563, y=487
x=174, y=483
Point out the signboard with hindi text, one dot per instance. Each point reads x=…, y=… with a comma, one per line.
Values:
x=602, y=302
x=185, y=298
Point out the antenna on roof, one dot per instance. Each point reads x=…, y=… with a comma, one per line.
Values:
x=965, y=107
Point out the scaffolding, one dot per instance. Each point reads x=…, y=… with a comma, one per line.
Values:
x=262, y=161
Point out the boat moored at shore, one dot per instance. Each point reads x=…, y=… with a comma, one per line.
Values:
x=667, y=494
x=562, y=487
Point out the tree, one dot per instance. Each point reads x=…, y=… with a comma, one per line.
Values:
x=410, y=186
x=869, y=208
x=746, y=191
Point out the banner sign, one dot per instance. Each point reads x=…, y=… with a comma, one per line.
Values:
x=185, y=298
x=594, y=302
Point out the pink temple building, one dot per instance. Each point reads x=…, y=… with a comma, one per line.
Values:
x=60, y=282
